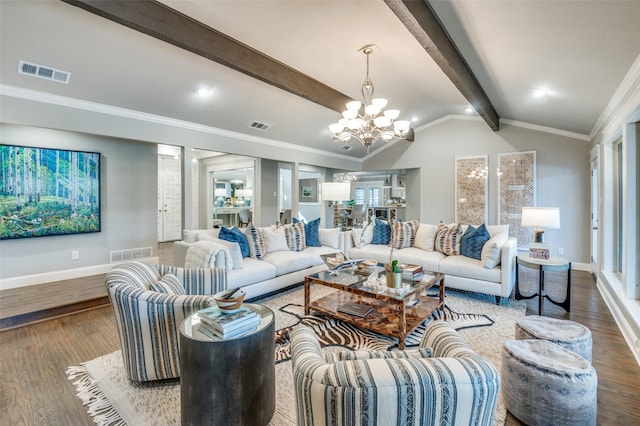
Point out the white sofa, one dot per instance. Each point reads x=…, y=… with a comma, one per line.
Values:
x=496, y=278
x=277, y=270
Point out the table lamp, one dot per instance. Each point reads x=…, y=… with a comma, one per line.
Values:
x=539, y=218
x=336, y=192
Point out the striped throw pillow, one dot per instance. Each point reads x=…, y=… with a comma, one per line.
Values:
x=295, y=236
x=169, y=284
x=404, y=233
x=448, y=239
x=255, y=238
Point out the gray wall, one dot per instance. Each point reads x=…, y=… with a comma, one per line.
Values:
x=129, y=197
x=562, y=174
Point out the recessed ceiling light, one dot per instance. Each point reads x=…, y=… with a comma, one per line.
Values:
x=469, y=110
x=414, y=119
x=203, y=90
x=540, y=92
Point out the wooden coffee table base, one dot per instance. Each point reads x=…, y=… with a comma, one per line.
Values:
x=390, y=317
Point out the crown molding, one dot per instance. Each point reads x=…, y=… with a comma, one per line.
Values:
x=545, y=129
x=68, y=102
x=625, y=99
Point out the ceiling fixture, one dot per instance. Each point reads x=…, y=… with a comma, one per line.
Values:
x=387, y=183
x=371, y=124
x=203, y=90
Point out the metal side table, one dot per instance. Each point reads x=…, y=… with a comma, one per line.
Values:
x=544, y=265
x=228, y=382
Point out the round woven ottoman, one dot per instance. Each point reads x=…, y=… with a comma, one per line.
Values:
x=546, y=384
x=568, y=334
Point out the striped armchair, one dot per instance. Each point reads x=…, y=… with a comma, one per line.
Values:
x=149, y=318
x=442, y=383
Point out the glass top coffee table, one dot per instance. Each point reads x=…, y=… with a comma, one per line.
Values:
x=394, y=312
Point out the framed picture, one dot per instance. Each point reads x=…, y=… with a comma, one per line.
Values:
x=471, y=174
x=46, y=192
x=308, y=191
x=517, y=189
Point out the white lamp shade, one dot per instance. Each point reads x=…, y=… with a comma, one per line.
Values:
x=541, y=217
x=220, y=192
x=392, y=113
x=354, y=106
x=379, y=102
x=336, y=128
x=336, y=191
x=350, y=114
x=382, y=121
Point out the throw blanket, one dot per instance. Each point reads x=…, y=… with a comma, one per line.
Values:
x=203, y=254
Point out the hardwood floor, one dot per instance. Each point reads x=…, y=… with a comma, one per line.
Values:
x=34, y=389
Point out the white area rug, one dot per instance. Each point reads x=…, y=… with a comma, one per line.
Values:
x=112, y=399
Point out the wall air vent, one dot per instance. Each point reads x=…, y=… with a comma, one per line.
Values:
x=47, y=73
x=127, y=255
x=260, y=126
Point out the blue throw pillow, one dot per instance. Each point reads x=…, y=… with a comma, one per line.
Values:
x=473, y=240
x=235, y=235
x=311, y=232
x=381, y=232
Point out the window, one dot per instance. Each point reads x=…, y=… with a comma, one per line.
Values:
x=368, y=194
x=617, y=206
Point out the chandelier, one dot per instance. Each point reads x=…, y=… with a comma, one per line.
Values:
x=371, y=123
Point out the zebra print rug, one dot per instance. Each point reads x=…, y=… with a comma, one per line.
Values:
x=112, y=399
x=335, y=333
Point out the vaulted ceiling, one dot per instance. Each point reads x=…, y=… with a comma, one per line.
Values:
x=579, y=51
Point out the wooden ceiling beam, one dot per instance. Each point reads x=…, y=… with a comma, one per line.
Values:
x=423, y=23
x=160, y=21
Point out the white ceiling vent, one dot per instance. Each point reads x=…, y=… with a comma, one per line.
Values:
x=260, y=126
x=46, y=73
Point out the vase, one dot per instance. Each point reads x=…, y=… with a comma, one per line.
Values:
x=394, y=279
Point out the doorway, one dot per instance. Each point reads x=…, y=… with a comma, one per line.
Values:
x=169, y=193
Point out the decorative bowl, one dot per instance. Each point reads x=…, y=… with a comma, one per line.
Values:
x=230, y=305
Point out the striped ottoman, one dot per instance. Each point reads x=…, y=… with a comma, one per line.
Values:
x=546, y=384
x=568, y=334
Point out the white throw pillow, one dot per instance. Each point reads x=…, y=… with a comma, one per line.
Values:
x=491, y=251
x=362, y=236
x=330, y=237
x=497, y=229
x=425, y=237
x=275, y=240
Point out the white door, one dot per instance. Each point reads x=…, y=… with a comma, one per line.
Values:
x=169, y=198
x=594, y=215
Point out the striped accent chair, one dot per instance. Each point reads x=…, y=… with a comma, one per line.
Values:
x=148, y=321
x=443, y=383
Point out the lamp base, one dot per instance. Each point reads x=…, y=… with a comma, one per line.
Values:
x=538, y=236
x=539, y=251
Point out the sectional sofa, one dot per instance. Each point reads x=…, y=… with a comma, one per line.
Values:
x=280, y=266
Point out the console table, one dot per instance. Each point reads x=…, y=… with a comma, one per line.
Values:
x=228, y=381
x=544, y=265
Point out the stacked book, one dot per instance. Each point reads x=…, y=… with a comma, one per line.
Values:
x=217, y=325
x=412, y=272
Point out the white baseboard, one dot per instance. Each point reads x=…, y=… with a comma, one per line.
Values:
x=66, y=274
x=622, y=310
x=578, y=266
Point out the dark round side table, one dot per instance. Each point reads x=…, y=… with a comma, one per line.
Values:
x=228, y=382
x=556, y=264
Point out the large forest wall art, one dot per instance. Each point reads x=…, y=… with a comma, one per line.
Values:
x=48, y=192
